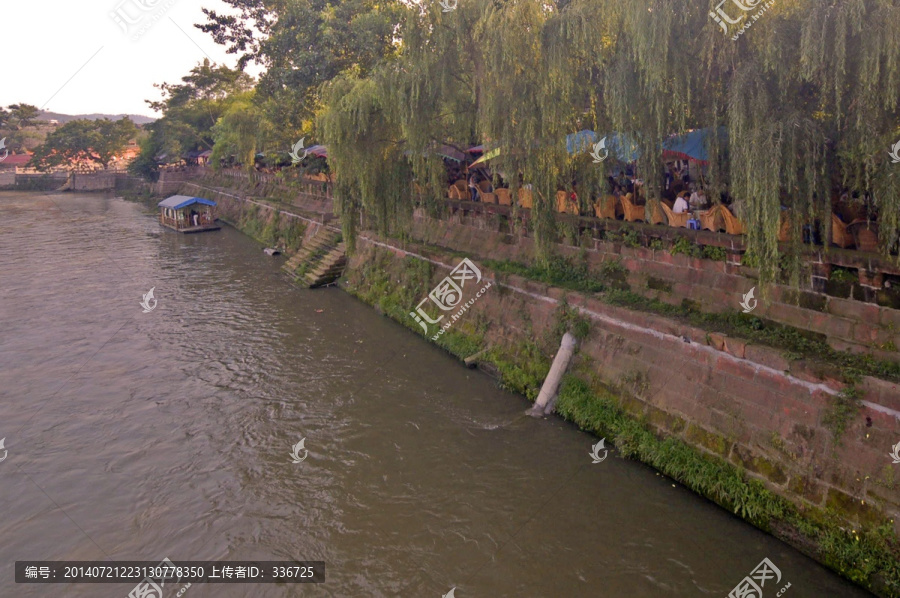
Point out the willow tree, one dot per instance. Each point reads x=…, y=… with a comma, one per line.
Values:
x=807, y=100
x=240, y=131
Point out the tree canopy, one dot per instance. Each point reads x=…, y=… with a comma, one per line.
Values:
x=807, y=99
x=84, y=141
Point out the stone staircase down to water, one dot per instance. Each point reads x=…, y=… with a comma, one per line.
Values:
x=320, y=261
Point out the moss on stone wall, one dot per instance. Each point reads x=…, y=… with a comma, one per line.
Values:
x=869, y=556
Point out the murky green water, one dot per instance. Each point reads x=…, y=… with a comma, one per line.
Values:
x=139, y=436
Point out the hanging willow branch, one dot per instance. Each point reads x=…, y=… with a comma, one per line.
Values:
x=807, y=101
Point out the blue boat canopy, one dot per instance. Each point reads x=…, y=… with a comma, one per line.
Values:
x=176, y=202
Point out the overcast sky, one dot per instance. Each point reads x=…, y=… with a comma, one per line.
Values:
x=48, y=48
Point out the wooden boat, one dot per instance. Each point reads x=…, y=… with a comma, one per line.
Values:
x=187, y=214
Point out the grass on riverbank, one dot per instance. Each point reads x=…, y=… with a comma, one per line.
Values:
x=868, y=556
x=607, y=285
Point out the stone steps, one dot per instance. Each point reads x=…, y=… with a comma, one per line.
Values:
x=320, y=261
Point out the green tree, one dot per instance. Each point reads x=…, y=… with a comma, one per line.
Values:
x=191, y=109
x=84, y=141
x=303, y=45
x=22, y=116
x=239, y=131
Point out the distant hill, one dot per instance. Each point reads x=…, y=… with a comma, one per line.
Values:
x=64, y=118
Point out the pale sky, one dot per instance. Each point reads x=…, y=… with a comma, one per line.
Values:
x=46, y=42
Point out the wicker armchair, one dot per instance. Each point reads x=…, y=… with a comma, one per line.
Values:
x=485, y=187
x=488, y=197
x=526, y=198
x=839, y=234
x=655, y=211
x=712, y=220
x=563, y=205
x=459, y=190
x=676, y=220
x=503, y=197
x=633, y=213
x=605, y=207
x=865, y=234
x=733, y=226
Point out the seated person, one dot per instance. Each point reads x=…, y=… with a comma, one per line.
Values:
x=473, y=187
x=698, y=199
x=681, y=205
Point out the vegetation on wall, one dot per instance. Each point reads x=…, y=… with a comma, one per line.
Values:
x=869, y=556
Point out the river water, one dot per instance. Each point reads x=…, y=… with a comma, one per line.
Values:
x=140, y=436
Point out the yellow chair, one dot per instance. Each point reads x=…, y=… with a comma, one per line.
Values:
x=839, y=234
x=657, y=216
x=503, y=197
x=633, y=213
x=526, y=198
x=676, y=220
x=733, y=226
x=711, y=220
x=605, y=207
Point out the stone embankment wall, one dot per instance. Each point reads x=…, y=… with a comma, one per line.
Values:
x=712, y=286
x=267, y=223
x=741, y=402
x=730, y=400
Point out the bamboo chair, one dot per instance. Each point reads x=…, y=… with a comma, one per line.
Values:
x=633, y=213
x=462, y=189
x=711, y=220
x=605, y=207
x=526, y=198
x=488, y=197
x=865, y=234
x=453, y=192
x=485, y=187
x=676, y=220
x=657, y=216
x=503, y=197
x=733, y=226
x=839, y=234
